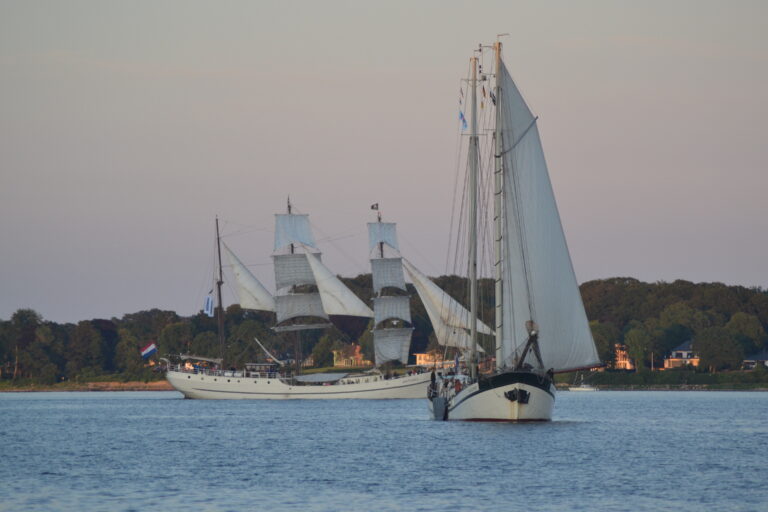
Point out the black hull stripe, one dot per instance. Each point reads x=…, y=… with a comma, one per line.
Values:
x=505, y=379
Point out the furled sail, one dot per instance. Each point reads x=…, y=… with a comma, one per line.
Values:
x=251, y=292
x=539, y=281
x=337, y=299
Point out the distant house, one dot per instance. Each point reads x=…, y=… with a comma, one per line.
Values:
x=681, y=356
x=350, y=356
x=751, y=361
x=622, y=360
x=432, y=359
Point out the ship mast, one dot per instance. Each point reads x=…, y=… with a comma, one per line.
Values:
x=381, y=244
x=297, y=335
x=473, y=168
x=220, y=306
x=497, y=227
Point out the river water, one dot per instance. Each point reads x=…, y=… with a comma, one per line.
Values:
x=676, y=451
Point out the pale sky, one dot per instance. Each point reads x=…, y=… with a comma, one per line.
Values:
x=125, y=127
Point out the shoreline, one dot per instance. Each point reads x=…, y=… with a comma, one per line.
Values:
x=163, y=385
x=160, y=385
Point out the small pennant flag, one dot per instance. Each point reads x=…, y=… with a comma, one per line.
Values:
x=493, y=98
x=463, y=121
x=485, y=94
x=375, y=206
x=208, y=306
x=148, y=350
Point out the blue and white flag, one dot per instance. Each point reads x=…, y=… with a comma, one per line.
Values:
x=208, y=306
x=463, y=121
x=148, y=350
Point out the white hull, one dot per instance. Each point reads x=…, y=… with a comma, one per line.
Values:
x=473, y=404
x=235, y=387
x=582, y=388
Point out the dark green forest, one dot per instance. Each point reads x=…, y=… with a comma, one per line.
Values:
x=726, y=323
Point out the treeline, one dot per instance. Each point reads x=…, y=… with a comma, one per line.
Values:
x=725, y=322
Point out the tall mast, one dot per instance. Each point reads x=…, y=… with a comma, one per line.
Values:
x=473, y=167
x=381, y=244
x=220, y=307
x=297, y=335
x=497, y=228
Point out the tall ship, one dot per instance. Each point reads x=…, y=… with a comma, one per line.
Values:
x=541, y=327
x=309, y=296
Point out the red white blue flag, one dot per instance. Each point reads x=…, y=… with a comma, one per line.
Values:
x=148, y=350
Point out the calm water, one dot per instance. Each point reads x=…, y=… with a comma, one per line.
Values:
x=605, y=451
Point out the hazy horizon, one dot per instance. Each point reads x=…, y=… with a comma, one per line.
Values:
x=125, y=128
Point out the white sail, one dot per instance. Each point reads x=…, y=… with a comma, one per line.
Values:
x=250, y=291
x=382, y=232
x=539, y=281
x=292, y=270
x=292, y=229
x=337, y=299
x=387, y=273
x=450, y=320
x=295, y=305
x=392, y=344
x=392, y=308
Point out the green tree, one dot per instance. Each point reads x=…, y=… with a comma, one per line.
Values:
x=85, y=351
x=175, y=338
x=718, y=349
x=606, y=336
x=24, y=324
x=681, y=313
x=366, y=344
x=638, y=343
x=128, y=360
x=322, y=353
x=748, y=331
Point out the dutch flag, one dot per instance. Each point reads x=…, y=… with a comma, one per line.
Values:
x=148, y=350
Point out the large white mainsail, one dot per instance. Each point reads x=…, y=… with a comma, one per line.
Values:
x=250, y=291
x=539, y=281
x=450, y=320
x=390, y=343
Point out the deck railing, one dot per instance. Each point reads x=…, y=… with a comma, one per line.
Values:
x=243, y=374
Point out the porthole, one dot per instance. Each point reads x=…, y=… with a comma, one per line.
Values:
x=215, y=380
x=267, y=382
x=229, y=380
x=189, y=376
